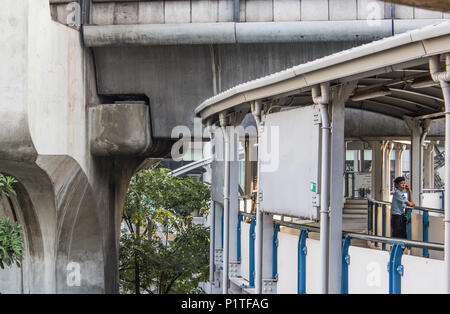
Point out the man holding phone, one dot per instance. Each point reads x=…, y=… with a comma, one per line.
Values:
x=399, y=203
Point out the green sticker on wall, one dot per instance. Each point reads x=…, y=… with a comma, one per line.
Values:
x=313, y=187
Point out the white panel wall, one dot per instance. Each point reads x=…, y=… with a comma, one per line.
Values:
x=245, y=256
x=313, y=266
x=422, y=275
x=368, y=271
x=287, y=263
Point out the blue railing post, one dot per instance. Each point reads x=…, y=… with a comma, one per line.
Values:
x=370, y=218
x=301, y=262
x=238, y=246
x=345, y=263
x=346, y=184
x=252, y=253
x=408, y=223
x=395, y=268
x=383, y=227
x=353, y=185
x=376, y=222
x=425, y=225
x=276, y=229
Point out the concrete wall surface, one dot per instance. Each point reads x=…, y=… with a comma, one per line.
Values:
x=211, y=11
x=68, y=202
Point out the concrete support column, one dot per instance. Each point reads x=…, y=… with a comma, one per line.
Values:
x=399, y=150
x=415, y=168
x=356, y=161
x=387, y=171
x=362, y=168
x=339, y=97
x=378, y=148
x=428, y=166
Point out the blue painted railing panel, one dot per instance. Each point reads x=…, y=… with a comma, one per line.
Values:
x=345, y=263
x=276, y=229
x=395, y=268
x=301, y=264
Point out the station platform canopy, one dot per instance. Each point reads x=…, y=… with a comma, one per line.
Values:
x=392, y=77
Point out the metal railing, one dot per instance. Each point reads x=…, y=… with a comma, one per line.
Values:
x=395, y=268
x=373, y=214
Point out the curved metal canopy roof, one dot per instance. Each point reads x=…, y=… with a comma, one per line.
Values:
x=392, y=74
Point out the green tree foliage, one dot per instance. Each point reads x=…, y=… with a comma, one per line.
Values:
x=161, y=250
x=11, y=247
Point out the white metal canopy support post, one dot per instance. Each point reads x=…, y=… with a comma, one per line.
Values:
x=444, y=78
x=399, y=150
x=256, y=112
x=377, y=169
x=226, y=203
x=339, y=97
x=428, y=165
x=322, y=100
x=387, y=171
x=415, y=126
x=426, y=124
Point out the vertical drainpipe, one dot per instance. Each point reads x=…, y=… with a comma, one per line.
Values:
x=322, y=100
x=444, y=78
x=426, y=128
x=236, y=11
x=212, y=220
x=256, y=112
x=226, y=203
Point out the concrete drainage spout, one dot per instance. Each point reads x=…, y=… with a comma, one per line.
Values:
x=443, y=77
x=322, y=100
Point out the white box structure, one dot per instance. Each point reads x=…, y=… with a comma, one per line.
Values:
x=290, y=169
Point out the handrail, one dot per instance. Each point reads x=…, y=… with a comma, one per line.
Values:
x=363, y=236
x=410, y=243
x=247, y=215
x=427, y=209
x=433, y=190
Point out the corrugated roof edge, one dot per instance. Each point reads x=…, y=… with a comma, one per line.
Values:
x=427, y=32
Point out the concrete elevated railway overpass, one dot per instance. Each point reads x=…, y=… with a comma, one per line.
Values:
x=84, y=105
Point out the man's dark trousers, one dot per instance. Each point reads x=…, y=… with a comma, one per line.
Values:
x=398, y=226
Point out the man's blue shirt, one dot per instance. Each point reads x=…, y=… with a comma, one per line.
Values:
x=398, y=202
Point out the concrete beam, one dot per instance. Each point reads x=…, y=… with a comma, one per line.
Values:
x=234, y=33
x=437, y=5
x=119, y=129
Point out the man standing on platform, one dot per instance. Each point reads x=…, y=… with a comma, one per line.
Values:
x=399, y=203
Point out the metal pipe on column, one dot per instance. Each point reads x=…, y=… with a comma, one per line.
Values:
x=444, y=79
x=212, y=219
x=425, y=128
x=256, y=112
x=322, y=100
x=226, y=203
